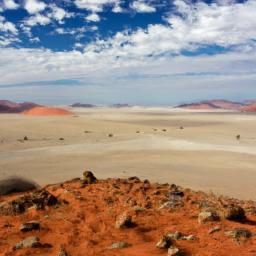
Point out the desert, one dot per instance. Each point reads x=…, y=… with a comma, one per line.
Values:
x=193, y=148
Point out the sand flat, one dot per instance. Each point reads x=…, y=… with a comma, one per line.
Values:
x=205, y=155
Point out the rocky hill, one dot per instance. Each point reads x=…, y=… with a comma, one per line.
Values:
x=249, y=108
x=213, y=104
x=124, y=217
x=7, y=106
x=82, y=105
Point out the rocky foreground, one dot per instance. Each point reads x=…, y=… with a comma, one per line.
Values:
x=124, y=217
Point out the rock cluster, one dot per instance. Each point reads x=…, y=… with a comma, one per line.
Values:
x=38, y=199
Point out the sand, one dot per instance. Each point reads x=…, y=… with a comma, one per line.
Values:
x=205, y=155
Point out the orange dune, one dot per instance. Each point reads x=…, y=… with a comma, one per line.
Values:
x=47, y=111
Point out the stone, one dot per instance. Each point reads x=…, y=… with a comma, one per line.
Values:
x=214, y=230
x=29, y=226
x=239, y=233
x=88, y=178
x=124, y=221
x=176, y=235
x=134, y=179
x=29, y=242
x=38, y=199
x=119, y=245
x=62, y=252
x=173, y=251
x=164, y=242
x=189, y=238
x=207, y=216
x=232, y=212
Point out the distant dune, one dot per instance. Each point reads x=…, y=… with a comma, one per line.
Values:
x=7, y=106
x=47, y=111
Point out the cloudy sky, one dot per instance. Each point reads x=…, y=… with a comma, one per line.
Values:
x=146, y=52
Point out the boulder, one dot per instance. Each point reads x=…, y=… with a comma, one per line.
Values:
x=88, y=178
x=124, y=221
x=29, y=226
x=164, y=243
x=29, y=242
x=207, y=216
x=239, y=233
x=62, y=252
x=119, y=245
x=173, y=251
x=39, y=199
x=232, y=212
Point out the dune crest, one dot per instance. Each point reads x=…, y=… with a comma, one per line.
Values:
x=47, y=111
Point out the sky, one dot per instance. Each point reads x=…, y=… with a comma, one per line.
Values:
x=141, y=52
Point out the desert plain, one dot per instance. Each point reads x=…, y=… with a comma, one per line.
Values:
x=195, y=149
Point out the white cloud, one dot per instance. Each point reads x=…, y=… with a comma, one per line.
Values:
x=93, y=17
x=58, y=13
x=95, y=5
x=10, y=4
x=195, y=26
x=34, y=6
x=142, y=6
x=117, y=8
x=37, y=19
x=6, y=26
x=152, y=53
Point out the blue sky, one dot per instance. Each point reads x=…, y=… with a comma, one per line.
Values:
x=144, y=52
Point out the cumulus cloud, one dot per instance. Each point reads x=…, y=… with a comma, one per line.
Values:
x=59, y=13
x=37, y=19
x=34, y=6
x=6, y=26
x=95, y=5
x=192, y=26
x=93, y=17
x=142, y=6
x=10, y=4
x=151, y=54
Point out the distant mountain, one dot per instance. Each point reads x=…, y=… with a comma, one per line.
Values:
x=120, y=105
x=249, y=108
x=82, y=105
x=7, y=106
x=199, y=105
x=249, y=102
x=213, y=104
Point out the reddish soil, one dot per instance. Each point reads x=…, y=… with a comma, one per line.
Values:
x=83, y=222
x=47, y=111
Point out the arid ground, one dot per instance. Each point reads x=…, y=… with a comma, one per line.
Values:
x=199, y=150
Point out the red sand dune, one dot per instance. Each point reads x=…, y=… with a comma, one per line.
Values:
x=81, y=218
x=249, y=108
x=47, y=111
